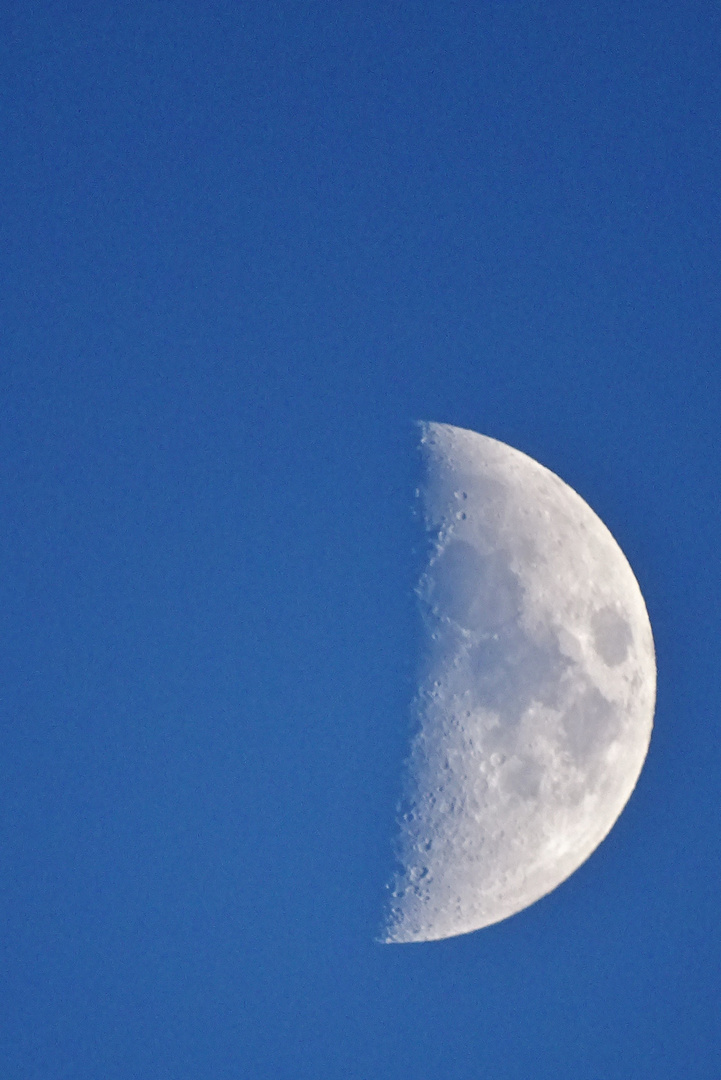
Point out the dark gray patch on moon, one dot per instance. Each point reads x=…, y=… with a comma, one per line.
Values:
x=590, y=723
x=612, y=636
x=522, y=778
x=510, y=671
x=477, y=591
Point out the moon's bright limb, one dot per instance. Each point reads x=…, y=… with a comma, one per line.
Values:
x=536, y=704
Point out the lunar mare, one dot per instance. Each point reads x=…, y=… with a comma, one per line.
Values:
x=535, y=707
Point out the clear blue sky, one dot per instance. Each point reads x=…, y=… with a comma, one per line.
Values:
x=243, y=246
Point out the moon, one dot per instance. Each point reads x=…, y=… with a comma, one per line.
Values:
x=535, y=704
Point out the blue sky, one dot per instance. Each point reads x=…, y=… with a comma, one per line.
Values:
x=244, y=246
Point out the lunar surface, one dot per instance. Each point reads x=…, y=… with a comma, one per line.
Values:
x=535, y=706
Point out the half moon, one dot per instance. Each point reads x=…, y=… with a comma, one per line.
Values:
x=535, y=708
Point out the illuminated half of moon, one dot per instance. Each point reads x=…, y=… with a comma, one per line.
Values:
x=535, y=706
